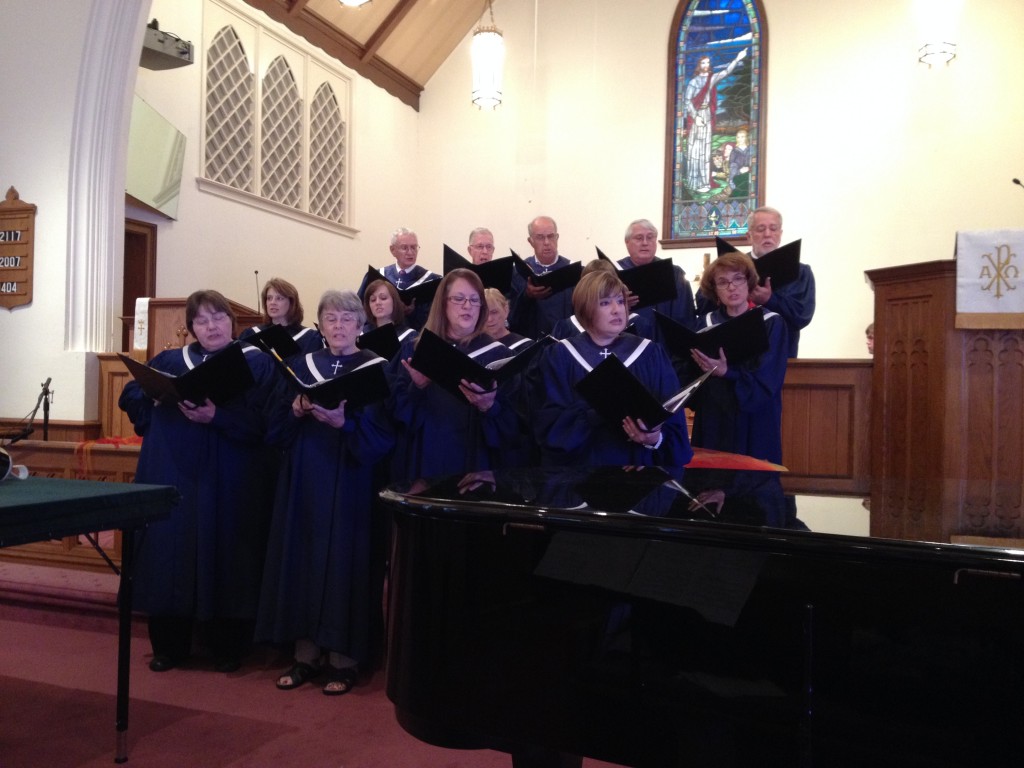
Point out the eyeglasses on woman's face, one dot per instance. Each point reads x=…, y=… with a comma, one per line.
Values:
x=735, y=282
x=460, y=300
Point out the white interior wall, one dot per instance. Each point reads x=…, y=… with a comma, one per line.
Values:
x=224, y=242
x=875, y=159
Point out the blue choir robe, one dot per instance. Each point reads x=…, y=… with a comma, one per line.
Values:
x=520, y=450
x=204, y=561
x=681, y=308
x=741, y=412
x=570, y=432
x=537, y=317
x=317, y=583
x=402, y=281
x=515, y=342
x=308, y=339
x=443, y=434
x=794, y=302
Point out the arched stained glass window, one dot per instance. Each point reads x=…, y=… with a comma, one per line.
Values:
x=715, y=169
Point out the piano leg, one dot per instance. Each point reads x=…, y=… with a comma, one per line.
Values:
x=538, y=757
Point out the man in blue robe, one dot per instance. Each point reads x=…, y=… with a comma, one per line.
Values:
x=793, y=302
x=642, y=245
x=405, y=273
x=536, y=309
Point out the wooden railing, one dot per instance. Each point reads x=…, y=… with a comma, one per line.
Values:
x=826, y=424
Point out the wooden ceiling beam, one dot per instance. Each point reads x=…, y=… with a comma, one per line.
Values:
x=349, y=52
x=383, y=32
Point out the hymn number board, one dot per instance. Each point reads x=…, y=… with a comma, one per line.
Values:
x=17, y=238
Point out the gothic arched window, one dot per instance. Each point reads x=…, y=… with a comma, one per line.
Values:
x=715, y=169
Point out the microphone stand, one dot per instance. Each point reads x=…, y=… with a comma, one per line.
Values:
x=45, y=396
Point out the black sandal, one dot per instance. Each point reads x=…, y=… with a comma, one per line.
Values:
x=339, y=681
x=299, y=673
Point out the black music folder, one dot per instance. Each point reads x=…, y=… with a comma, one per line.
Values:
x=557, y=279
x=382, y=341
x=275, y=338
x=782, y=265
x=741, y=337
x=723, y=246
x=446, y=365
x=615, y=393
x=422, y=290
x=652, y=283
x=496, y=273
x=221, y=378
x=361, y=386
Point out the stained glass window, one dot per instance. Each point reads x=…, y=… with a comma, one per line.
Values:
x=714, y=175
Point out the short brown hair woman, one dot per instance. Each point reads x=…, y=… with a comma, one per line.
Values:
x=567, y=429
x=739, y=409
x=203, y=564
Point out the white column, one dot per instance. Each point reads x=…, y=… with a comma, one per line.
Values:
x=102, y=115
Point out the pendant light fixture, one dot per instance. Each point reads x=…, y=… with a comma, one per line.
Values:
x=488, y=54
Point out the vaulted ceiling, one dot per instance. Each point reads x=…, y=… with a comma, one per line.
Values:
x=397, y=44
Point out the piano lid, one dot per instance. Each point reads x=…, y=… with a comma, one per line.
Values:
x=703, y=503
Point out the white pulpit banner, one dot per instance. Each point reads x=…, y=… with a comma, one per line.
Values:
x=990, y=279
x=141, y=336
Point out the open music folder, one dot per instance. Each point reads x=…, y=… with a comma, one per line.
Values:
x=220, y=378
x=362, y=386
x=447, y=366
x=741, y=337
x=651, y=283
x=382, y=341
x=275, y=338
x=615, y=393
x=781, y=265
x=496, y=273
x=557, y=279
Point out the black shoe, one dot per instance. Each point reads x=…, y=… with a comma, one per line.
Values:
x=161, y=663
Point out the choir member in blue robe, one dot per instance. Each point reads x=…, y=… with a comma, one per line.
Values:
x=320, y=586
x=536, y=309
x=496, y=325
x=568, y=430
x=204, y=563
x=521, y=450
x=281, y=306
x=739, y=409
x=383, y=305
x=642, y=245
x=405, y=273
x=794, y=302
x=444, y=433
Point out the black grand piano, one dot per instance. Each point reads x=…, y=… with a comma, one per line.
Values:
x=695, y=618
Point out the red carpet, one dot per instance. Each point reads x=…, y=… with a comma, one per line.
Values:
x=57, y=678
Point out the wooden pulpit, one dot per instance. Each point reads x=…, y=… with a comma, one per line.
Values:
x=947, y=433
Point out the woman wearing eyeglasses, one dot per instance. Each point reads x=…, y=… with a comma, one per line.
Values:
x=202, y=565
x=321, y=581
x=444, y=433
x=739, y=409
